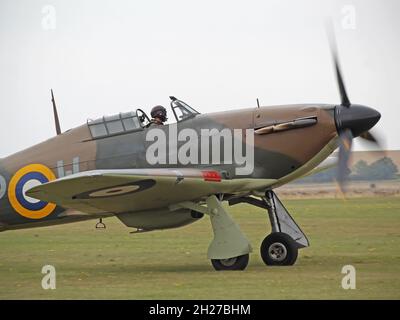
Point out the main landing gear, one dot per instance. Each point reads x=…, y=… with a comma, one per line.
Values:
x=229, y=250
x=280, y=248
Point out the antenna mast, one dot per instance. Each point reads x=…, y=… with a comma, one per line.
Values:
x=56, y=120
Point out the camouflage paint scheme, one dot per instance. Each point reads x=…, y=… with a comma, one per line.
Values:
x=280, y=157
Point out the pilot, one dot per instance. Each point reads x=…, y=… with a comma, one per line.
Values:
x=159, y=116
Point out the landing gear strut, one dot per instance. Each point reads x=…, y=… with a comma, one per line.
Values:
x=280, y=248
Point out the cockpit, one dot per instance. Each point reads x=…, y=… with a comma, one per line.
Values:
x=135, y=120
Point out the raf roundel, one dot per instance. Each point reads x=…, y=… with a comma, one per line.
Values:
x=25, y=179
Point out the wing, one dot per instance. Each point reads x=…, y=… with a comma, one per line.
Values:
x=119, y=191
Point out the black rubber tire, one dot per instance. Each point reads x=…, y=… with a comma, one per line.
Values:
x=240, y=263
x=287, y=242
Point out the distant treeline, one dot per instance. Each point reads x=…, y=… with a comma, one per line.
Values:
x=382, y=169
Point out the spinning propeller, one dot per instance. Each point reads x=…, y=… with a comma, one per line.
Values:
x=352, y=120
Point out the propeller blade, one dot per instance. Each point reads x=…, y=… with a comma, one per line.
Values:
x=346, y=140
x=369, y=137
x=377, y=140
x=343, y=94
x=339, y=78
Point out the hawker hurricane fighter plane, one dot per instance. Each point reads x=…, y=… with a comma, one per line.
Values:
x=153, y=176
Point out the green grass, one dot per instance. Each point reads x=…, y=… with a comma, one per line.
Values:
x=113, y=264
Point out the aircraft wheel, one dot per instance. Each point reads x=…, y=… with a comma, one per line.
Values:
x=279, y=249
x=236, y=263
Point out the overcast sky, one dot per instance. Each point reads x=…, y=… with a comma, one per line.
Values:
x=103, y=57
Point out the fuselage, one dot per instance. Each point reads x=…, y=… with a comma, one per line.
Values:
x=283, y=155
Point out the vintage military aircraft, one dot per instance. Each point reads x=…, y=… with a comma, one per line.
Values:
x=101, y=169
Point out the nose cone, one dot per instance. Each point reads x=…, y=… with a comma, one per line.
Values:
x=357, y=118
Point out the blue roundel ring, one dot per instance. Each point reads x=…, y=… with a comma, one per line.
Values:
x=20, y=194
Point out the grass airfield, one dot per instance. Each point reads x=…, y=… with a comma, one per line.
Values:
x=172, y=264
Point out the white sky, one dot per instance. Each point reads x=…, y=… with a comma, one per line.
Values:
x=104, y=57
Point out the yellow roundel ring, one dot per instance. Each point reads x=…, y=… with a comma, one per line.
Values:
x=24, y=179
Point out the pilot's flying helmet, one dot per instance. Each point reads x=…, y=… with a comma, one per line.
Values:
x=159, y=112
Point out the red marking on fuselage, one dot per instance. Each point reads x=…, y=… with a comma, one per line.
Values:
x=211, y=176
